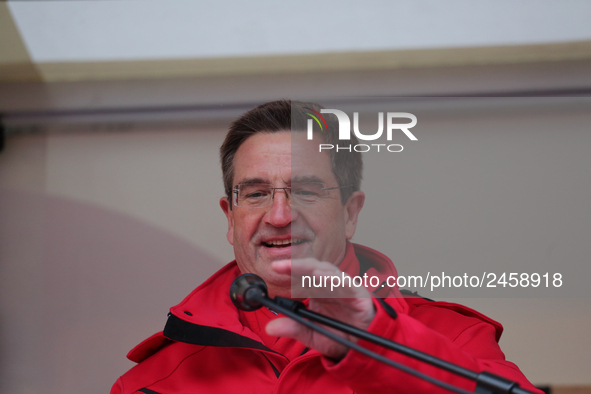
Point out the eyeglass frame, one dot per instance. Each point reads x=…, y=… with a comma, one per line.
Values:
x=236, y=189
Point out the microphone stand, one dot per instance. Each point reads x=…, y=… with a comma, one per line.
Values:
x=249, y=292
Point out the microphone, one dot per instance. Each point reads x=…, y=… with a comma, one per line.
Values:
x=246, y=292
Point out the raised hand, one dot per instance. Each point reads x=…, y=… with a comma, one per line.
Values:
x=351, y=305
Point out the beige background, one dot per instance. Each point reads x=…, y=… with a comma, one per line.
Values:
x=103, y=231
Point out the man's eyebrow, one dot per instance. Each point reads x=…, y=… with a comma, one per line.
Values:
x=306, y=179
x=250, y=181
x=295, y=179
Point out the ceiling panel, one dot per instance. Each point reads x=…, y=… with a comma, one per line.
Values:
x=75, y=31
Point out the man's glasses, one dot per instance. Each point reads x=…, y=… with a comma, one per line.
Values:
x=261, y=195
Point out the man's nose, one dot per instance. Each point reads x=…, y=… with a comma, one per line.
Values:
x=280, y=212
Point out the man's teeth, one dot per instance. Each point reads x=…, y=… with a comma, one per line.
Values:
x=285, y=242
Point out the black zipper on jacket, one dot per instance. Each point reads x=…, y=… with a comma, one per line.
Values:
x=148, y=391
x=277, y=373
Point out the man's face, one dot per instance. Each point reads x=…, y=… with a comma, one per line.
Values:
x=318, y=230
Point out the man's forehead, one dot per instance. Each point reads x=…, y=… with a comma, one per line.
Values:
x=307, y=162
x=292, y=157
x=280, y=143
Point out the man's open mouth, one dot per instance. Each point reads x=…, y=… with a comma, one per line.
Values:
x=284, y=243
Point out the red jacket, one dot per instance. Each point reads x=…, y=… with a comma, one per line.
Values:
x=208, y=346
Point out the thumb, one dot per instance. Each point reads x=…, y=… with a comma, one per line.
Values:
x=286, y=327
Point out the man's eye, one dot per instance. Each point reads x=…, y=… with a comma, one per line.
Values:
x=303, y=192
x=257, y=194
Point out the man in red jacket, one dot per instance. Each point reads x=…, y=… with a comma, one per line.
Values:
x=292, y=209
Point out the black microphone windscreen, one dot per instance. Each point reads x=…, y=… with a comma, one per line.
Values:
x=241, y=286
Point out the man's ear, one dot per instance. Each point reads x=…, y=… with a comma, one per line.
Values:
x=225, y=204
x=352, y=209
